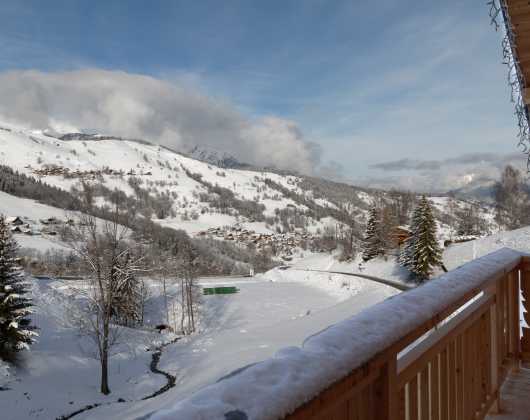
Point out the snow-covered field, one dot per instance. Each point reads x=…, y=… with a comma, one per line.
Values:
x=59, y=375
x=458, y=254
x=385, y=268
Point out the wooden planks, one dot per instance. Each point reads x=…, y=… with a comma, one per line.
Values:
x=519, y=16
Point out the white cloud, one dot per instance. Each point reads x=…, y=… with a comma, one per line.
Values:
x=137, y=106
x=467, y=170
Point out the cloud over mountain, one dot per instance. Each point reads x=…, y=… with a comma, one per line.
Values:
x=445, y=174
x=138, y=106
x=432, y=165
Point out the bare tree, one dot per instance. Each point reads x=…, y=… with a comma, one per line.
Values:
x=104, y=249
x=130, y=293
x=401, y=204
x=470, y=221
x=512, y=201
x=166, y=271
x=188, y=265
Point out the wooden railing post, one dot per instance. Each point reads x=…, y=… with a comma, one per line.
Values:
x=513, y=317
x=386, y=393
x=525, y=290
x=494, y=368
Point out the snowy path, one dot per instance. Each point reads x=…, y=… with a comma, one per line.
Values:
x=246, y=328
x=397, y=285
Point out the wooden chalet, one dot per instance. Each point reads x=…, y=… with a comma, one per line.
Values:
x=399, y=234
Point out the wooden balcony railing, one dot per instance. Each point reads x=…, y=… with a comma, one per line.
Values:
x=440, y=351
x=451, y=366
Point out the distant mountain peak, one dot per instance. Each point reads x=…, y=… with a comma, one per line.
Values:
x=478, y=188
x=215, y=157
x=95, y=137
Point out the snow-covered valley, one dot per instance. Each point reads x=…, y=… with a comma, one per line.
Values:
x=301, y=224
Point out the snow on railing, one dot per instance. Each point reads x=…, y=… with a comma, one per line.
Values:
x=360, y=354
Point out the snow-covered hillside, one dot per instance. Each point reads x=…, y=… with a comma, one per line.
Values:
x=113, y=161
x=31, y=213
x=259, y=201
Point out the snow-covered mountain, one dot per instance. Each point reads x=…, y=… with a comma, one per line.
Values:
x=481, y=189
x=214, y=157
x=202, y=190
x=259, y=200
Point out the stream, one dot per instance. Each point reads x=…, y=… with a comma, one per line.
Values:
x=153, y=366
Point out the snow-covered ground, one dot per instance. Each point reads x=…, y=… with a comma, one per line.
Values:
x=59, y=375
x=294, y=375
x=31, y=212
x=251, y=326
x=385, y=268
x=458, y=254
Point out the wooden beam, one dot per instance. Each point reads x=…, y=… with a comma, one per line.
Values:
x=519, y=14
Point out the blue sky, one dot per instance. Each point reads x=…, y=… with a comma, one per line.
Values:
x=403, y=80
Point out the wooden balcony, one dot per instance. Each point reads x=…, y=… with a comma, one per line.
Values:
x=465, y=362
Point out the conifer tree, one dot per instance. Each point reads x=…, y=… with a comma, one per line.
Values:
x=372, y=246
x=387, y=222
x=15, y=331
x=421, y=253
